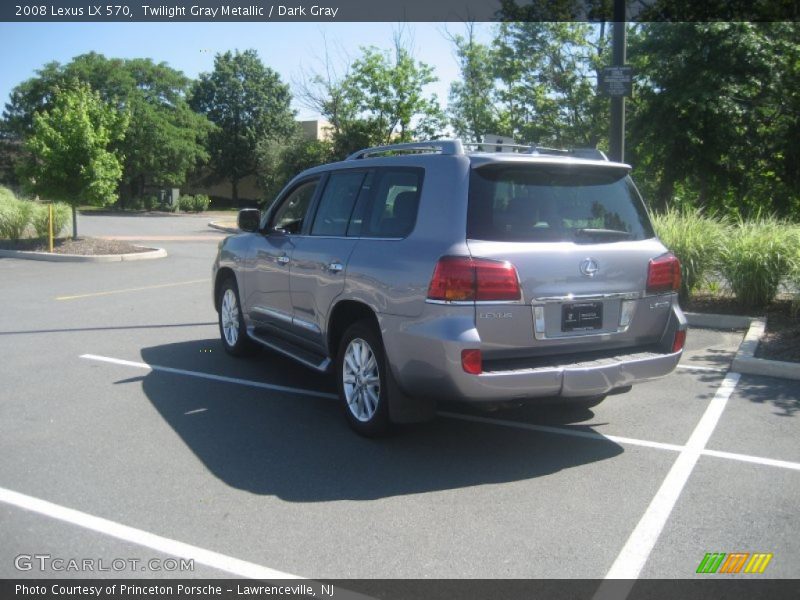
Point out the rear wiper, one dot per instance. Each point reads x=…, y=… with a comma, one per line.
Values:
x=589, y=232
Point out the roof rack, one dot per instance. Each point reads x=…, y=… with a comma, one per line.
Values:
x=456, y=148
x=446, y=147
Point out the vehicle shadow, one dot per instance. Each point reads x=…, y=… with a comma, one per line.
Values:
x=299, y=447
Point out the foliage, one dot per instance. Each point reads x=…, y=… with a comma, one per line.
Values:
x=280, y=160
x=165, y=139
x=471, y=107
x=546, y=83
x=69, y=149
x=15, y=215
x=756, y=256
x=695, y=239
x=716, y=114
x=41, y=218
x=189, y=203
x=247, y=102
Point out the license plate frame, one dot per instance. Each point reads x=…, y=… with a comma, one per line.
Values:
x=577, y=317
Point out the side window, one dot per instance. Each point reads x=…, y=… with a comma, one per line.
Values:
x=293, y=209
x=336, y=204
x=392, y=207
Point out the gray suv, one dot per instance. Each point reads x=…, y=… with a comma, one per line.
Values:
x=424, y=272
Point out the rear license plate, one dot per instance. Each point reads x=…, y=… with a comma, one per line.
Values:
x=582, y=316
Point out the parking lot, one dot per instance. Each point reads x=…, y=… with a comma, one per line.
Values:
x=127, y=432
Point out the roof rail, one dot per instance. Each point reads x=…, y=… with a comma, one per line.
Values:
x=590, y=153
x=447, y=147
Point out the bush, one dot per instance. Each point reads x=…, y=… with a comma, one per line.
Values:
x=201, y=202
x=150, y=202
x=6, y=194
x=188, y=203
x=695, y=239
x=15, y=216
x=756, y=256
x=41, y=218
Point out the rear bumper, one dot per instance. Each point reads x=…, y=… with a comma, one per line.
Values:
x=426, y=361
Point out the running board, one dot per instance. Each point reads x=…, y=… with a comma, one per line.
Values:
x=301, y=355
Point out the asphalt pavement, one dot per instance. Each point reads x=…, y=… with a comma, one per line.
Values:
x=127, y=433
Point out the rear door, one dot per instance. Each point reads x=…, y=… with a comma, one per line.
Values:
x=580, y=239
x=319, y=259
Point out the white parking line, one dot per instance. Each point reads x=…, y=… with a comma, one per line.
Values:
x=631, y=560
x=699, y=368
x=592, y=435
x=209, y=558
x=222, y=378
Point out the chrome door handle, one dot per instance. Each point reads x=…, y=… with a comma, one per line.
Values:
x=335, y=267
x=283, y=259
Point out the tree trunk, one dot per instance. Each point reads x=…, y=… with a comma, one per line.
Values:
x=74, y=222
x=235, y=191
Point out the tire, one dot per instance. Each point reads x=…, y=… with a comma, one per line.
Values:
x=232, y=330
x=361, y=380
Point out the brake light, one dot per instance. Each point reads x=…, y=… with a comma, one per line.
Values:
x=664, y=274
x=472, y=362
x=679, y=341
x=461, y=278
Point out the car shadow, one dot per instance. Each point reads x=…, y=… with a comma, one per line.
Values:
x=299, y=448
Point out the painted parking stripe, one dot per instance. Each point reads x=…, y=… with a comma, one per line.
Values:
x=136, y=289
x=139, y=537
x=633, y=557
x=222, y=378
x=699, y=368
x=463, y=417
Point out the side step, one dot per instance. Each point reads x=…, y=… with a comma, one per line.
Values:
x=312, y=360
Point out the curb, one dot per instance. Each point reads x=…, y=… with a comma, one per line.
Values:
x=217, y=226
x=712, y=321
x=745, y=361
x=100, y=258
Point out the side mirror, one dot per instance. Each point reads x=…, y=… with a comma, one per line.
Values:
x=249, y=219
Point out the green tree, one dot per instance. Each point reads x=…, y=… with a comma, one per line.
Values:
x=247, y=102
x=166, y=138
x=716, y=114
x=547, y=80
x=471, y=104
x=70, y=154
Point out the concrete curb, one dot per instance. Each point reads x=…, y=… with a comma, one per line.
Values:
x=100, y=258
x=215, y=225
x=745, y=361
x=711, y=321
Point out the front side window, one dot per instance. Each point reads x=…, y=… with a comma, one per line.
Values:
x=554, y=204
x=292, y=211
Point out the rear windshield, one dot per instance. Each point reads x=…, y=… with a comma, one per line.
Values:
x=554, y=204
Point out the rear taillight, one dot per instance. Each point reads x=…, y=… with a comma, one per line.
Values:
x=461, y=278
x=472, y=362
x=679, y=340
x=664, y=274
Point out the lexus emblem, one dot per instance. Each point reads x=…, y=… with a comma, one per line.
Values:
x=589, y=267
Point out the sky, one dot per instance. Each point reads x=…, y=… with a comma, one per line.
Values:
x=288, y=48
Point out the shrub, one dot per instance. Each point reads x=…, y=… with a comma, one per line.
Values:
x=15, y=216
x=201, y=202
x=695, y=239
x=135, y=203
x=756, y=256
x=41, y=218
x=150, y=202
x=188, y=203
x=6, y=194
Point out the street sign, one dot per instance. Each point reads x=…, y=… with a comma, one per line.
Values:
x=615, y=81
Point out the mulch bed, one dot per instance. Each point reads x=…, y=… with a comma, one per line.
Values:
x=83, y=246
x=781, y=340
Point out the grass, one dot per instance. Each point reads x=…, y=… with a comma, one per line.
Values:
x=696, y=240
x=756, y=257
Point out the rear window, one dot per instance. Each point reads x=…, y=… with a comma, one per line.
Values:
x=554, y=204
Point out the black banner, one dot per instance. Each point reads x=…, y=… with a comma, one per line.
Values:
x=395, y=10
x=711, y=588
